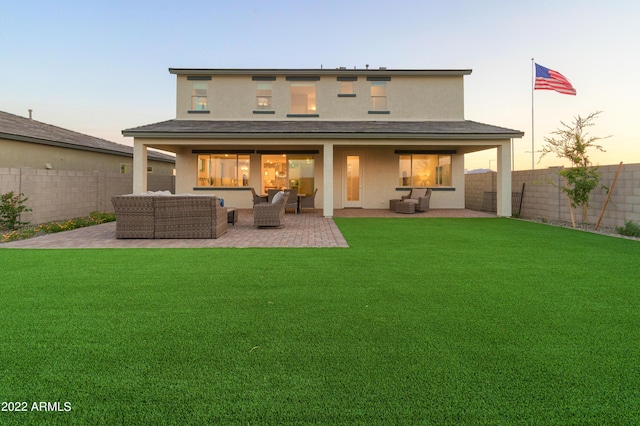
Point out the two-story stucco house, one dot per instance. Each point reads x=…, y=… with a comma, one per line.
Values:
x=360, y=136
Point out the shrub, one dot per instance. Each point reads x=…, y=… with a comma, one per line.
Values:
x=630, y=229
x=95, y=218
x=11, y=205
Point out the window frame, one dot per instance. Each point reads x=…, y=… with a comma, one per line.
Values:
x=311, y=110
x=439, y=174
x=268, y=106
x=377, y=98
x=196, y=106
x=206, y=179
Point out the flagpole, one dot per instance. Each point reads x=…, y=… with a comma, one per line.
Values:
x=533, y=66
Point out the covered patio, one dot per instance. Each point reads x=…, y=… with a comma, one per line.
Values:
x=308, y=229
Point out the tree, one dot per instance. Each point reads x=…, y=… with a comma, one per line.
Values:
x=572, y=142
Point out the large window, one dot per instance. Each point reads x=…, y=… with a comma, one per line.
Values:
x=378, y=96
x=226, y=170
x=424, y=170
x=199, y=97
x=303, y=98
x=263, y=97
x=284, y=171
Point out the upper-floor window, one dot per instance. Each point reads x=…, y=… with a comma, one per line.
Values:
x=303, y=98
x=199, y=97
x=347, y=88
x=424, y=170
x=263, y=97
x=379, y=96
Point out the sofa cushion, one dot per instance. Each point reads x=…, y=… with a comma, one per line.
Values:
x=417, y=193
x=277, y=197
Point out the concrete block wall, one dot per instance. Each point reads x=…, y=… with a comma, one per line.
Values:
x=67, y=194
x=544, y=199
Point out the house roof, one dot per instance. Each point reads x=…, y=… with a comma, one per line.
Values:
x=344, y=71
x=464, y=129
x=14, y=127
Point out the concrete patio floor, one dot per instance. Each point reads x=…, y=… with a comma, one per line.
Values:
x=308, y=229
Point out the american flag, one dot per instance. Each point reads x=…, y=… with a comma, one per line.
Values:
x=547, y=79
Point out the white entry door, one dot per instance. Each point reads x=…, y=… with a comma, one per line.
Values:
x=353, y=182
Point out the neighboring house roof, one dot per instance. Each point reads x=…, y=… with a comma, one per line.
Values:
x=323, y=129
x=14, y=127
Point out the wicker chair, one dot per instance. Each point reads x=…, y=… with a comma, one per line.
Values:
x=270, y=214
x=292, y=200
x=420, y=197
x=308, y=202
x=257, y=199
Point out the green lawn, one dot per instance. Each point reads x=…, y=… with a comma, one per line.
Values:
x=421, y=321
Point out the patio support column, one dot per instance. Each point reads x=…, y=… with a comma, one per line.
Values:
x=327, y=183
x=504, y=180
x=139, y=167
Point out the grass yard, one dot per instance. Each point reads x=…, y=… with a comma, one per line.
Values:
x=421, y=321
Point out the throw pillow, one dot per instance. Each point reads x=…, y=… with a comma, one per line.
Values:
x=277, y=197
x=417, y=193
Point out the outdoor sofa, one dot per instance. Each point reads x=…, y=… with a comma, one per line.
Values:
x=162, y=215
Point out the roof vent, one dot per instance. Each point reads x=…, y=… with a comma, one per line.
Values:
x=30, y=114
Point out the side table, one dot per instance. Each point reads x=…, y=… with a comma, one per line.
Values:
x=232, y=216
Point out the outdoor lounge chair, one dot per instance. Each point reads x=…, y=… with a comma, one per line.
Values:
x=420, y=197
x=271, y=214
x=308, y=202
x=257, y=199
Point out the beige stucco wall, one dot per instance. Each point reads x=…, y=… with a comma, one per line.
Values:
x=26, y=154
x=408, y=98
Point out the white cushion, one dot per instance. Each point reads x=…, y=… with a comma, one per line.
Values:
x=411, y=200
x=277, y=197
x=417, y=193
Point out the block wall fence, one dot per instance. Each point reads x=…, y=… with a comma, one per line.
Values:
x=67, y=194
x=543, y=199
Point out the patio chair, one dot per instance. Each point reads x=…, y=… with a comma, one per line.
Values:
x=420, y=197
x=308, y=202
x=271, y=214
x=257, y=199
x=292, y=200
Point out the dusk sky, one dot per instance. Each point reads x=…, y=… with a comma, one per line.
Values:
x=102, y=66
